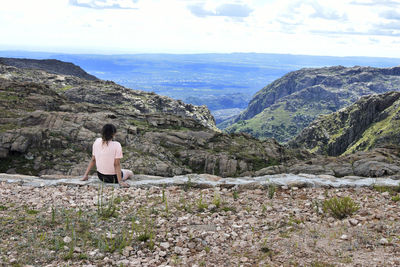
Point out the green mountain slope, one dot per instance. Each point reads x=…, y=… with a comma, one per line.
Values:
x=371, y=122
x=283, y=108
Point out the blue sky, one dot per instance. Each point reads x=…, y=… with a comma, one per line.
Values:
x=325, y=27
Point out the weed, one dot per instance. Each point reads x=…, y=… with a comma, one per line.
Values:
x=31, y=211
x=3, y=208
x=144, y=231
x=53, y=215
x=217, y=200
x=396, y=198
x=107, y=210
x=188, y=184
x=271, y=190
x=340, y=207
x=320, y=264
x=235, y=195
x=228, y=208
x=200, y=205
x=163, y=195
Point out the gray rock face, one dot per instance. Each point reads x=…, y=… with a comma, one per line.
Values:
x=370, y=122
x=48, y=124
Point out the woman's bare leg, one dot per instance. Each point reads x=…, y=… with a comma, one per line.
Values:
x=127, y=174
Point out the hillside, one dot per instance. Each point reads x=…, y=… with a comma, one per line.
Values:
x=49, y=121
x=286, y=106
x=371, y=122
x=49, y=65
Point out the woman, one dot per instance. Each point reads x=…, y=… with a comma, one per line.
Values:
x=106, y=155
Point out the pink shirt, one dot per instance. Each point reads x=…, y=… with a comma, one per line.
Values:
x=106, y=154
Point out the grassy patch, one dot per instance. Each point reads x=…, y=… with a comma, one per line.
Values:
x=340, y=207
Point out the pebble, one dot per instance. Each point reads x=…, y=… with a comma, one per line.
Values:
x=353, y=222
x=383, y=241
x=67, y=240
x=164, y=245
x=344, y=237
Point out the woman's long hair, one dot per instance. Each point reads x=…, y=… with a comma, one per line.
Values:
x=108, y=132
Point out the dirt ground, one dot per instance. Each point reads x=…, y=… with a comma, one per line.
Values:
x=185, y=226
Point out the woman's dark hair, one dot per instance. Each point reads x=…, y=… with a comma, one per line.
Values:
x=108, y=132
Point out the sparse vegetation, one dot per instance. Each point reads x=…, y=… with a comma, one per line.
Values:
x=340, y=207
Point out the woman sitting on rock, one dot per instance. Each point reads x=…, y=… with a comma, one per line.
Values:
x=106, y=155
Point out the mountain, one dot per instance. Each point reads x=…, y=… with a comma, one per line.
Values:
x=286, y=106
x=48, y=123
x=219, y=81
x=373, y=121
x=49, y=65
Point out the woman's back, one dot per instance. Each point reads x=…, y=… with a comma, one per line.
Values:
x=105, y=154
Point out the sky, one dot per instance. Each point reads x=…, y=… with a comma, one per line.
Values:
x=308, y=27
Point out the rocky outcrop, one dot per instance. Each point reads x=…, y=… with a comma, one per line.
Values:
x=48, y=65
x=370, y=122
x=286, y=106
x=48, y=123
x=378, y=162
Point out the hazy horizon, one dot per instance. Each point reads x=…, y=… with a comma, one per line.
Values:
x=367, y=28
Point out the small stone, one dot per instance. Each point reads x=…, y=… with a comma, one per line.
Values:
x=162, y=253
x=123, y=263
x=67, y=239
x=178, y=250
x=164, y=245
x=212, y=207
x=344, y=237
x=92, y=253
x=383, y=241
x=244, y=259
x=353, y=222
x=77, y=250
x=110, y=235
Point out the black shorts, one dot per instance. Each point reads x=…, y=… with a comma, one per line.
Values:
x=109, y=178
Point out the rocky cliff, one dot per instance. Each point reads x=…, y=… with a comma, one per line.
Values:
x=371, y=122
x=49, y=65
x=48, y=123
x=283, y=108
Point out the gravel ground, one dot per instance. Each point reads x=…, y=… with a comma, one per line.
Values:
x=177, y=226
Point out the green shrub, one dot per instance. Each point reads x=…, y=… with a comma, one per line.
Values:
x=396, y=198
x=340, y=207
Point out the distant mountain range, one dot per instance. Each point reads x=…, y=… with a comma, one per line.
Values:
x=289, y=104
x=219, y=81
x=49, y=65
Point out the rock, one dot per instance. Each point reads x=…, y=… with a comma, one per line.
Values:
x=383, y=241
x=335, y=133
x=123, y=263
x=353, y=222
x=67, y=240
x=344, y=237
x=164, y=245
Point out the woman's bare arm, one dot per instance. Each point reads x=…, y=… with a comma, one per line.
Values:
x=117, y=166
x=92, y=163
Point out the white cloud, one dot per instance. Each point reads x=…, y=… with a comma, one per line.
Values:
x=225, y=10
x=104, y=4
x=329, y=27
